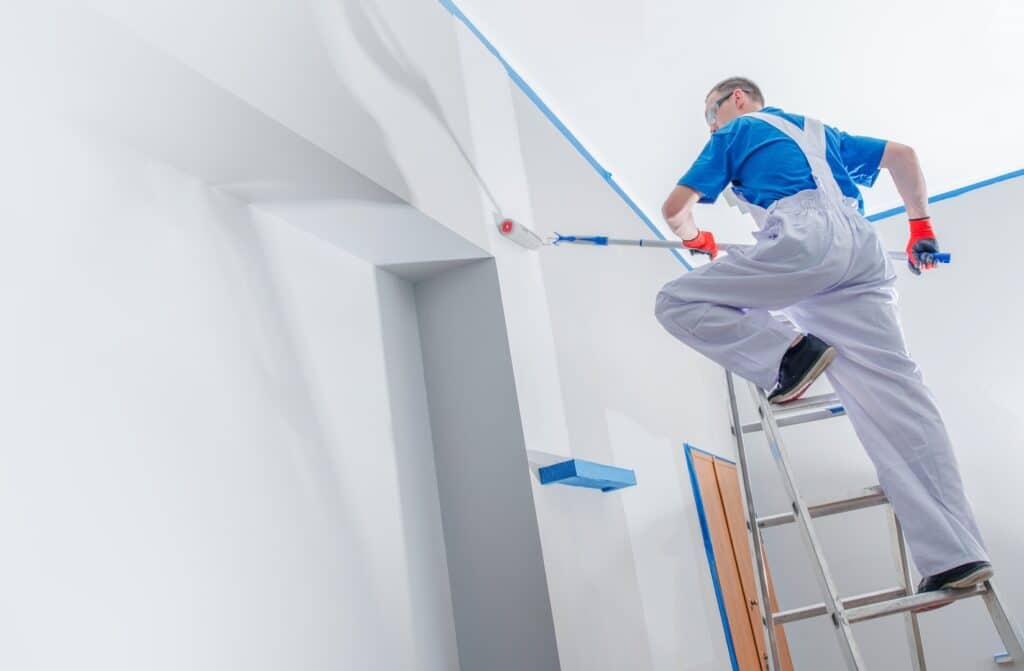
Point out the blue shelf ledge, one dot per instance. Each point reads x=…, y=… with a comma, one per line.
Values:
x=580, y=473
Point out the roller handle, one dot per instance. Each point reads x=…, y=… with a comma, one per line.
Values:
x=940, y=257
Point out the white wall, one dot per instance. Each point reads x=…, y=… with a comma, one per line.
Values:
x=498, y=583
x=402, y=94
x=406, y=97
x=376, y=84
x=201, y=466
x=431, y=617
x=630, y=582
x=960, y=323
x=237, y=116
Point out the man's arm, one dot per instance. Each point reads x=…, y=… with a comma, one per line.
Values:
x=678, y=212
x=901, y=162
x=705, y=179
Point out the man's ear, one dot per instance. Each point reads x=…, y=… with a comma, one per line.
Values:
x=741, y=99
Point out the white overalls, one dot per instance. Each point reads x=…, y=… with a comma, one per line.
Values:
x=820, y=263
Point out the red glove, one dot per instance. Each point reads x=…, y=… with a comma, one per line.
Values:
x=704, y=243
x=922, y=245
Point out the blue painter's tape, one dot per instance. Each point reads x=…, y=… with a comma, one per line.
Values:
x=580, y=473
x=838, y=410
x=951, y=194
x=709, y=550
x=562, y=128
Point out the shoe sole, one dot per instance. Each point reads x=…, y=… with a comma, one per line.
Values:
x=973, y=578
x=809, y=377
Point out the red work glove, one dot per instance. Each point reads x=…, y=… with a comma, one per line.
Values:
x=704, y=243
x=922, y=245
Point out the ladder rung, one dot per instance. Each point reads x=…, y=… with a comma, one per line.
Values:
x=809, y=403
x=866, y=498
x=915, y=602
x=814, y=416
x=805, y=612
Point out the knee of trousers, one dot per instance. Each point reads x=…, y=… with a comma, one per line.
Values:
x=678, y=315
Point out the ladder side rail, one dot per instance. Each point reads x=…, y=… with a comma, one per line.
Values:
x=1008, y=630
x=833, y=604
x=913, y=627
x=754, y=532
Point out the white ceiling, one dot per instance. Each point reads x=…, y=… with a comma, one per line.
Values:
x=629, y=79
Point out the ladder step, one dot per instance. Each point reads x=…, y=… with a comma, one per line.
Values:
x=813, y=416
x=809, y=403
x=782, y=617
x=915, y=602
x=881, y=603
x=866, y=498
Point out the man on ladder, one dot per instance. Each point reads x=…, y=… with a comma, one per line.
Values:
x=819, y=262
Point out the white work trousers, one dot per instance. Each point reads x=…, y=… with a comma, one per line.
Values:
x=825, y=269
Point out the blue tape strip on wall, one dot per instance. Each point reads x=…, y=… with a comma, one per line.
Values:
x=562, y=128
x=951, y=194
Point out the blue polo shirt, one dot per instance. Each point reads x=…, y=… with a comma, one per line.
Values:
x=764, y=164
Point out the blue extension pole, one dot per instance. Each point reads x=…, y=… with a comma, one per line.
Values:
x=605, y=241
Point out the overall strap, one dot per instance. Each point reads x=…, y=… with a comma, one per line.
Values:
x=811, y=140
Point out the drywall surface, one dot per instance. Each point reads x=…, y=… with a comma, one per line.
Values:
x=192, y=97
x=630, y=581
x=375, y=84
x=202, y=465
x=498, y=581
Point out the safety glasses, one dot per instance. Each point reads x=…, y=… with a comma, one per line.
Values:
x=711, y=113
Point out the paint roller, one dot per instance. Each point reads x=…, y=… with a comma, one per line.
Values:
x=520, y=234
x=524, y=237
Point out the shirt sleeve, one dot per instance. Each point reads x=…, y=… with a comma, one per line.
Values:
x=861, y=156
x=710, y=173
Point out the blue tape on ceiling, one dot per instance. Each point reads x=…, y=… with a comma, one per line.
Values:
x=562, y=128
x=709, y=550
x=951, y=194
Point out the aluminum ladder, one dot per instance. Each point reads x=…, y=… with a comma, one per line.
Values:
x=843, y=611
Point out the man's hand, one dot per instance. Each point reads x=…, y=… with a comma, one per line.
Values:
x=922, y=245
x=704, y=243
x=901, y=162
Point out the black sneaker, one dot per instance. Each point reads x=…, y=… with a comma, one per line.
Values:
x=957, y=577
x=801, y=365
